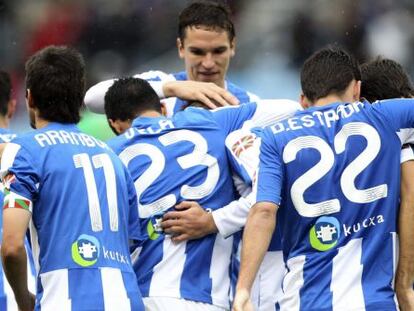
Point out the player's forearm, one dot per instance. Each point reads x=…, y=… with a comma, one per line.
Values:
x=15, y=267
x=405, y=270
x=256, y=239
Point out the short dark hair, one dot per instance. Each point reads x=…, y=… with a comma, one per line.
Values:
x=5, y=92
x=55, y=77
x=129, y=97
x=327, y=71
x=383, y=79
x=209, y=14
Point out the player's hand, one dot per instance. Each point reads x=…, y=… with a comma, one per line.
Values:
x=242, y=301
x=190, y=221
x=28, y=303
x=405, y=298
x=207, y=93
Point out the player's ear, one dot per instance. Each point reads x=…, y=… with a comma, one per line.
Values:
x=163, y=109
x=180, y=47
x=233, y=47
x=11, y=108
x=304, y=101
x=29, y=99
x=116, y=126
x=357, y=90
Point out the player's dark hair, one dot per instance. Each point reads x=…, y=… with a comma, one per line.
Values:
x=5, y=92
x=55, y=77
x=129, y=97
x=212, y=15
x=383, y=79
x=328, y=71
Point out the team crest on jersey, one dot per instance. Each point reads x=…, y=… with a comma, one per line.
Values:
x=242, y=144
x=154, y=228
x=85, y=250
x=325, y=233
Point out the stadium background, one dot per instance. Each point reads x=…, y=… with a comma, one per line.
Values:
x=125, y=37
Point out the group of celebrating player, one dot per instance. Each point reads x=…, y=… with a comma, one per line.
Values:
x=153, y=218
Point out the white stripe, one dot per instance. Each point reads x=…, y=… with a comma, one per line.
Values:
x=167, y=273
x=55, y=291
x=31, y=279
x=346, y=283
x=114, y=291
x=292, y=284
x=8, y=156
x=219, y=271
x=35, y=245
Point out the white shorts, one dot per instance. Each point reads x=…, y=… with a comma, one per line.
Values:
x=177, y=304
x=267, y=287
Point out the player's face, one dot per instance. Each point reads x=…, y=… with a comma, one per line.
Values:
x=206, y=54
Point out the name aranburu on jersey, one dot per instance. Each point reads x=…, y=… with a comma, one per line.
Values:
x=150, y=130
x=324, y=118
x=50, y=138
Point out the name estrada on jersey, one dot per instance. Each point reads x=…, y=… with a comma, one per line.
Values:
x=337, y=185
x=82, y=200
x=184, y=158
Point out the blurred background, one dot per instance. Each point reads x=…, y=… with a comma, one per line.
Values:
x=125, y=37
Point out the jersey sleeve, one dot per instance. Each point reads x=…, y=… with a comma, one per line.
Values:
x=20, y=178
x=407, y=153
x=268, y=183
x=400, y=114
x=95, y=96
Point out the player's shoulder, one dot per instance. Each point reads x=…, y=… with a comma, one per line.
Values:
x=6, y=135
x=242, y=94
x=194, y=116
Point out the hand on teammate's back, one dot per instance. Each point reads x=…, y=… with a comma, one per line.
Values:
x=207, y=93
x=189, y=222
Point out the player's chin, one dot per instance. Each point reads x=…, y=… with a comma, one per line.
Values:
x=208, y=77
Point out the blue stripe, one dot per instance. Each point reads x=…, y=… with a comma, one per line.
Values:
x=378, y=272
x=197, y=270
x=85, y=289
x=150, y=256
x=133, y=293
x=322, y=298
x=3, y=297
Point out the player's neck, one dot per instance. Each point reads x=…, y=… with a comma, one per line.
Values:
x=4, y=122
x=40, y=123
x=150, y=114
x=330, y=99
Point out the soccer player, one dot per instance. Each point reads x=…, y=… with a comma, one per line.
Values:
x=206, y=42
x=386, y=79
x=172, y=160
x=338, y=209
x=7, y=108
x=75, y=194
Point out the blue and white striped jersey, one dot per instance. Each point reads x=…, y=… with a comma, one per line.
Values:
x=82, y=200
x=334, y=171
x=7, y=301
x=176, y=159
x=174, y=104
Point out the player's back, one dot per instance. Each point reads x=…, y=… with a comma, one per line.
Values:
x=172, y=160
x=80, y=195
x=339, y=203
